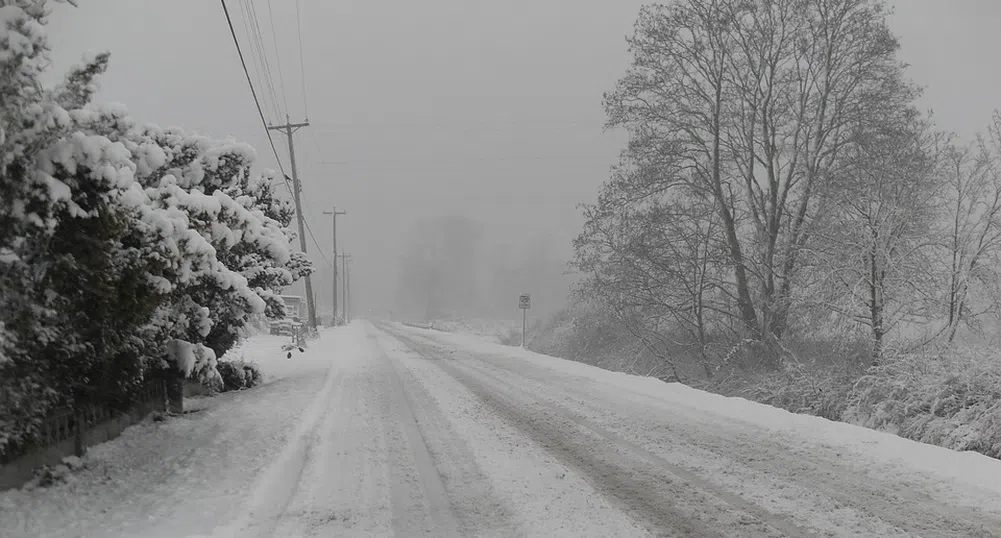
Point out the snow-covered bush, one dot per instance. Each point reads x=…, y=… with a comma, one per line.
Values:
x=583, y=332
x=799, y=388
x=238, y=374
x=123, y=248
x=72, y=292
x=950, y=398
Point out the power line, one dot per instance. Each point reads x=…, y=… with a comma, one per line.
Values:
x=263, y=54
x=278, y=59
x=305, y=222
x=313, y=237
x=258, y=68
x=253, y=92
x=260, y=112
x=302, y=61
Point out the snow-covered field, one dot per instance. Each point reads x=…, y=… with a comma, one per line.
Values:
x=383, y=430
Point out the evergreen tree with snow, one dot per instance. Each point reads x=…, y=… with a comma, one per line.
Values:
x=124, y=249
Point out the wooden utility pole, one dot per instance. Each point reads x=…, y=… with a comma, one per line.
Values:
x=334, y=213
x=288, y=128
x=344, y=285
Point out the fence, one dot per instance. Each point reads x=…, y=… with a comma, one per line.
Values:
x=69, y=432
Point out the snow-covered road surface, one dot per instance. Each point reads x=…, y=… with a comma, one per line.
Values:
x=382, y=430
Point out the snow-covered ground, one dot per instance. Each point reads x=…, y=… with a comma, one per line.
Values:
x=181, y=476
x=382, y=430
x=490, y=329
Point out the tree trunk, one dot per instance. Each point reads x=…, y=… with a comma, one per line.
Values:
x=744, y=302
x=875, y=303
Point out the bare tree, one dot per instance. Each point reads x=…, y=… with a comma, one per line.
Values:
x=972, y=237
x=878, y=246
x=752, y=104
x=655, y=259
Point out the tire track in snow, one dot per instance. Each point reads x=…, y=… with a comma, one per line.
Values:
x=669, y=506
x=440, y=518
x=909, y=510
x=337, y=480
x=776, y=521
x=274, y=491
x=474, y=502
x=544, y=497
x=635, y=493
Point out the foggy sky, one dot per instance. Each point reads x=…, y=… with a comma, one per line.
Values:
x=430, y=107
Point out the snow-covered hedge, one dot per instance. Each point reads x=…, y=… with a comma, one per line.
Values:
x=124, y=248
x=239, y=374
x=951, y=399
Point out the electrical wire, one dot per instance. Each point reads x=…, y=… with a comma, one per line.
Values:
x=264, y=122
x=256, y=60
x=278, y=60
x=253, y=92
x=258, y=34
x=318, y=249
x=302, y=61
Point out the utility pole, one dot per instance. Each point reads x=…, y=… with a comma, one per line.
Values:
x=347, y=285
x=344, y=284
x=288, y=128
x=334, y=213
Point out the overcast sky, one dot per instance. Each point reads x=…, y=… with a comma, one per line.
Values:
x=418, y=108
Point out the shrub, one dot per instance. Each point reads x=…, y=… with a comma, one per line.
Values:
x=800, y=388
x=950, y=398
x=239, y=374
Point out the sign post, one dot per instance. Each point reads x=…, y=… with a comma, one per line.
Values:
x=524, y=303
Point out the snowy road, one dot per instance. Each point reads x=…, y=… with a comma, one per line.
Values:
x=406, y=432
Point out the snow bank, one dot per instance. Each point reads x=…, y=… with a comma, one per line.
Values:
x=866, y=446
x=187, y=475
x=479, y=327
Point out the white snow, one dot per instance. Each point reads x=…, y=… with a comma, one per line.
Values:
x=185, y=475
x=367, y=433
x=546, y=495
x=190, y=357
x=867, y=447
x=266, y=351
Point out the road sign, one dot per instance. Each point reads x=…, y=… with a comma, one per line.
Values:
x=524, y=303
